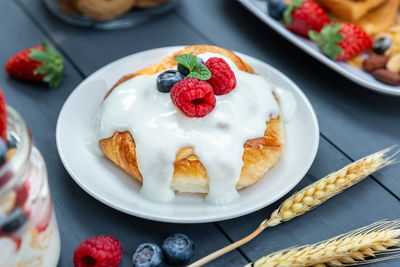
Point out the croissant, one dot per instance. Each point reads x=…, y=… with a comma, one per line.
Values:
x=190, y=175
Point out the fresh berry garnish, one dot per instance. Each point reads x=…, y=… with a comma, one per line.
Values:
x=13, y=221
x=342, y=41
x=99, y=251
x=178, y=249
x=38, y=64
x=194, y=65
x=381, y=44
x=185, y=71
x=3, y=117
x=276, y=8
x=167, y=79
x=195, y=98
x=222, y=79
x=148, y=255
x=3, y=151
x=301, y=16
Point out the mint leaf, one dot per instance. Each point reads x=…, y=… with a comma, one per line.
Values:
x=187, y=60
x=201, y=73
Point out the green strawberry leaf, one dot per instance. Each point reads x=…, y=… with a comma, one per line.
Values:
x=201, y=73
x=187, y=60
x=328, y=40
x=53, y=64
x=287, y=14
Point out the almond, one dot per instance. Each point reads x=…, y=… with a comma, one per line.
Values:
x=394, y=63
x=386, y=76
x=375, y=62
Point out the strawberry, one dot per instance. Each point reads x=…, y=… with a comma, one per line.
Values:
x=38, y=64
x=3, y=117
x=342, y=41
x=301, y=16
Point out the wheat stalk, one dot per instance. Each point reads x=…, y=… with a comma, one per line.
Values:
x=349, y=249
x=313, y=195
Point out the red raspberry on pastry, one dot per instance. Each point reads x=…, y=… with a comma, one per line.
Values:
x=193, y=97
x=222, y=79
x=99, y=251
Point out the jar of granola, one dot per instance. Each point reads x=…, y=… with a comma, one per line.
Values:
x=28, y=229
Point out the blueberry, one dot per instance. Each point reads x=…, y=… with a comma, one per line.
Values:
x=178, y=249
x=148, y=255
x=167, y=79
x=3, y=151
x=381, y=44
x=13, y=221
x=276, y=8
x=12, y=142
x=185, y=71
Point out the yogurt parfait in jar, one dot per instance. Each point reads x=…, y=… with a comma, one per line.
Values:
x=28, y=230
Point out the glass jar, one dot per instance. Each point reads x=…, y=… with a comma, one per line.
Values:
x=28, y=229
x=108, y=15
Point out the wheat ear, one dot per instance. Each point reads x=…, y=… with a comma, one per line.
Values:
x=353, y=248
x=313, y=195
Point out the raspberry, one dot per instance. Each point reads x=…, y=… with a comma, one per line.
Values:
x=222, y=79
x=193, y=97
x=99, y=251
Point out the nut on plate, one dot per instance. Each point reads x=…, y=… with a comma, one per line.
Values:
x=375, y=62
x=104, y=9
x=386, y=76
x=394, y=64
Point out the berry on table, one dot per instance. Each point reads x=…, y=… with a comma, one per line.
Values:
x=301, y=16
x=381, y=44
x=342, y=41
x=185, y=71
x=37, y=64
x=222, y=79
x=98, y=251
x=195, y=98
x=167, y=79
x=178, y=249
x=276, y=8
x=13, y=221
x=148, y=255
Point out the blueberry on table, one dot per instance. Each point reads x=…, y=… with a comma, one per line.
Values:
x=167, y=79
x=13, y=221
x=276, y=8
x=381, y=44
x=3, y=151
x=148, y=255
x=185, y=71
x=178, y=249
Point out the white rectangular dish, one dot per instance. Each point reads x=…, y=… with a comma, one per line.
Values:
x=259, y=8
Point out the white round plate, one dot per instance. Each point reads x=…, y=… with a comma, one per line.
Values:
x=110, y=185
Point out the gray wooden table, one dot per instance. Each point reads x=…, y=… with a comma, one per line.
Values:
x=354, y=122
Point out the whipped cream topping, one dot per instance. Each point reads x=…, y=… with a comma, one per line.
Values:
x=160, y=130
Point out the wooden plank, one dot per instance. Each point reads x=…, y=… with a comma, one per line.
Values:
x=354, y=118
x=80, y=216
x=358, y=206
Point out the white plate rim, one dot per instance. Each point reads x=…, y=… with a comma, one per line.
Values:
x=205, y=219
x=378, y=87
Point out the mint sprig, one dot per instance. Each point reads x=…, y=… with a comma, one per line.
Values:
x=190, y=62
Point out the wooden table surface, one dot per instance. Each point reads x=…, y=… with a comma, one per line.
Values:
x=353, y=121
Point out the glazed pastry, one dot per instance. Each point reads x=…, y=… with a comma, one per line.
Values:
x=349, y=10
x=189, y=173
x=104, y=9
x=149, y=3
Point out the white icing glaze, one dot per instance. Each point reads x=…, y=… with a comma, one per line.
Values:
x=160, y=130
